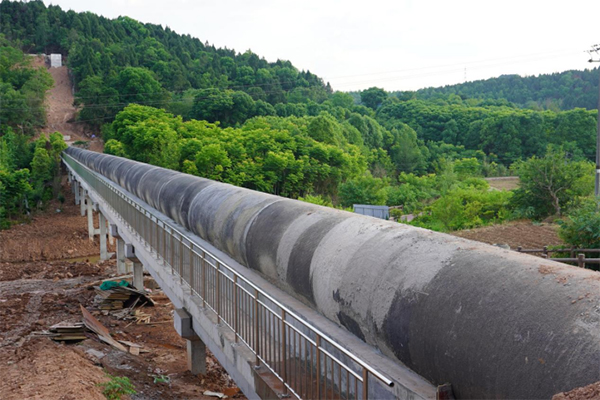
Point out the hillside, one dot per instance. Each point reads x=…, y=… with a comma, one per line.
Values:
x=173, y=101
x=558, y=91
x=103, y=53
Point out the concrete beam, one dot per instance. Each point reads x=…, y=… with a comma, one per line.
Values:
x=130, y=252
x=182, y=321
x=113, y=230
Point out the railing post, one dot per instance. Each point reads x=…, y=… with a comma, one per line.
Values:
x=156, y=238
x=191, y=266
x=365, y=391
x=581, y=260
x=283, y=351
x=172, y=253
x=318, y=356
x=256, y=327
x=164, y=243
x=235, y=308
x=217, y=269
x=203, y=278
x=180, y=261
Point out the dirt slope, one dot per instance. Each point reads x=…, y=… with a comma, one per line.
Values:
x=61, y=112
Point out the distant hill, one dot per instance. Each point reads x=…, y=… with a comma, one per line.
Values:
x=101, y=47
x=558, y=91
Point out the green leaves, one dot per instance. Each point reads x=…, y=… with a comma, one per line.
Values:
x=548, y=183
x=270, y=154
x=581, y=227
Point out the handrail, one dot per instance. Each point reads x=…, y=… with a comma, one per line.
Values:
x=219, y=266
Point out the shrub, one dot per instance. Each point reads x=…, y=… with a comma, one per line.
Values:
x=117, y=387
x=465, y=208
x=581, y=228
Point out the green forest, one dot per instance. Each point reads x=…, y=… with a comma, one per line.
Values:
x=29, y=169
x=558, y=91
x=172, y=100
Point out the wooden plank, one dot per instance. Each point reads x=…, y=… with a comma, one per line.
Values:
x=96, y=326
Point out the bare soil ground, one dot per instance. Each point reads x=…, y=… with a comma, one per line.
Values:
x=524, y=233
x=45, y=287
x=590, y=392
x=51, y=235
x=504, y=182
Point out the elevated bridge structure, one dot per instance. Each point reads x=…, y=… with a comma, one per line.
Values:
x=305, y=301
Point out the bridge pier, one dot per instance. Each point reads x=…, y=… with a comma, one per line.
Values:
x=113, y=232
x=75, y=188
x=90, y=218
x=138, y=275
x=103, y=245
x=138, y=267
x=196, y=349
x=81, y=195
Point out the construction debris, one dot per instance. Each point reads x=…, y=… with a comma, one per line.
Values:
x=119, y=296
x=134, y=348
x=67, y=332
x=214, y=394
x=103, y=334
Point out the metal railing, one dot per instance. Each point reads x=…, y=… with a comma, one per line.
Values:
x=307, y=362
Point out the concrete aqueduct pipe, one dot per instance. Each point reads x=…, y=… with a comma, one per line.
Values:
x=494, y=323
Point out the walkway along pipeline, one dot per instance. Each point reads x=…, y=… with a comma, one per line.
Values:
x=494, y=323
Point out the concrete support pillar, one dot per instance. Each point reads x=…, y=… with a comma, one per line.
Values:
x=75, y=188
x=138, y=275
x=90, y=218
x=121, y=267
x=196, y=356
x=82, y=197
x=69, y=178
x=196, y=349
x=103, y=248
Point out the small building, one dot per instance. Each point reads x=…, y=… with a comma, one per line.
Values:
x=382, y=212
x=55, y=60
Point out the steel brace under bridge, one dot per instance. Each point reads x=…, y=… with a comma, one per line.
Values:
x=259, y=334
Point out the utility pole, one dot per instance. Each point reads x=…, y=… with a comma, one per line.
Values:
x=595, y=49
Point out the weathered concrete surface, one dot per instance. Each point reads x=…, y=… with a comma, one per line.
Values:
x=494, y=323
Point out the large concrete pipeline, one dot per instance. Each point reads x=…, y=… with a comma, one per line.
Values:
x=494, y=323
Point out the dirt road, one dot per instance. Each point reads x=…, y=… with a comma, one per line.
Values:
x=61, y=112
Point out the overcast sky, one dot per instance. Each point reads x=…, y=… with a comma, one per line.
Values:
x=394, y=44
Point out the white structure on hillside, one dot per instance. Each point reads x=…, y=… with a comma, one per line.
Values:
x=55, y=60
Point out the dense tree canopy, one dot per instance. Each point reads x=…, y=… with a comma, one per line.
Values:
x=104, y=53
x=558, y=91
